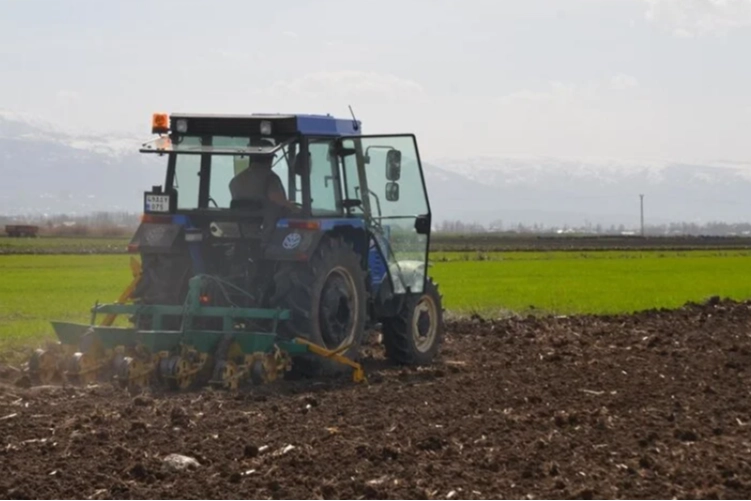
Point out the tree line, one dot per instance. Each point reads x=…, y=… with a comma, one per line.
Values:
x=124, y=222
x=712, y=228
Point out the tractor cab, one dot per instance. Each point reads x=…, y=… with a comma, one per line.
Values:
x=279, y=181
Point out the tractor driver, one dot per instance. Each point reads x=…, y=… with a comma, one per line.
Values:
x=259, y=182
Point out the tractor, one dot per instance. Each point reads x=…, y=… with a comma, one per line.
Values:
x=274, y=246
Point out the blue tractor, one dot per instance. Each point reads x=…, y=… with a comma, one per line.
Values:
x=276, y=243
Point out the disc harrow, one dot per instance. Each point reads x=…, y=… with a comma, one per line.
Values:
x=179, y=360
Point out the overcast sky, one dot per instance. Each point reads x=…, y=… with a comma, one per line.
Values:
x=628, y=79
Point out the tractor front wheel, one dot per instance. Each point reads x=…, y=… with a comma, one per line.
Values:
x=415, y=334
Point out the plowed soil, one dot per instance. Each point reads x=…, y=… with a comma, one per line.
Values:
x=653, y=405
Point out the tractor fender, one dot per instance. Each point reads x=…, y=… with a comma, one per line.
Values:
x=390, y=293
x=407, y=274
x=158, y=238
x=288, y=243
x=292, y=244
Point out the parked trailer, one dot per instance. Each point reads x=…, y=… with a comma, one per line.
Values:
x=21, y=230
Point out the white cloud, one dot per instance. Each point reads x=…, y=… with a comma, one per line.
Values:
x=623, y=82
x=233, y=56
x=557, y=92
x=348, y=82
x=526, y=95
x=68, y=96
x=689, y=18
x=290, y=34
x=560, y=93
x=682, y=33
x=229, y=54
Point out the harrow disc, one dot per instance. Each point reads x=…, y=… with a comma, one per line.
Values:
x=44, y=366
x=178, y=372
x=83, y=368
x=226, y=374
x=133, y=373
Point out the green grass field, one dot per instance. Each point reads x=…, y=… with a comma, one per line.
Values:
x=588, y=282
x=38, y=288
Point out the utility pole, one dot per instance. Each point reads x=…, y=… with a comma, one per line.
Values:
x=641, y=199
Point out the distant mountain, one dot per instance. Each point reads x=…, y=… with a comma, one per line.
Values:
x=48, y=169
x=559, y=192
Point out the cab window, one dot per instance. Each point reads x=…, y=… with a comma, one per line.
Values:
x=324, y=179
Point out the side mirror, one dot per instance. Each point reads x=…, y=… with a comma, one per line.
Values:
x=422, y=224
x=393, y=165
x=392, y=192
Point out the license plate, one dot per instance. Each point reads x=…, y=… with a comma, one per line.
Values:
x=157, y=203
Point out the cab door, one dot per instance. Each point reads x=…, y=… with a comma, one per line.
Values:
x=383, y=179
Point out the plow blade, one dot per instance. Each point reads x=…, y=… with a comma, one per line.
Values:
x=72, y=334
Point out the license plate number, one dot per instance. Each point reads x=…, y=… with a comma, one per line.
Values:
x=157, y=203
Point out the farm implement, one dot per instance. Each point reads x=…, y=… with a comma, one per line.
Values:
x=176, y=359
x=267, y=251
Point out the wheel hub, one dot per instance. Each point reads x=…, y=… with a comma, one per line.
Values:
x=423, y=323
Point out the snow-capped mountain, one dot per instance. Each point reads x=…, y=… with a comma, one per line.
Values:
x=563, y=191
x=47, y=168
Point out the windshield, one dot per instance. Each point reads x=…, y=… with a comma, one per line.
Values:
x=224, y=166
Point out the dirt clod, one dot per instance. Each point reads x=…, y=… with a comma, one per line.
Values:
x=179, y=416
x=251, y=451
x=142, y=401
x=180, y=462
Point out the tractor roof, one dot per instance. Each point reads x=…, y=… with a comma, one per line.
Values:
x=243, y=125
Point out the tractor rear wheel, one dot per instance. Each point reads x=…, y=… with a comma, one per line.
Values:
x=415, y=334
x=327, y=301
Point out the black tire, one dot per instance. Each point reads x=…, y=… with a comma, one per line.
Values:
x=327, y=301
x=414, y=336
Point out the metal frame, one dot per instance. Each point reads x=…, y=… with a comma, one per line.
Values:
x=362, y=170
x=206, y=151
x=159, y=343
x=337, y=182
x=209, y=150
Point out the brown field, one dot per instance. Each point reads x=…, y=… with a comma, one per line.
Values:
x=652, y=405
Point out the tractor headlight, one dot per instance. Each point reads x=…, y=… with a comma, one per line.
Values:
x=266, y=128
x=182, y=126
